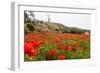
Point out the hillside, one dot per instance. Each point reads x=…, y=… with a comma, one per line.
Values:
x=50, y=27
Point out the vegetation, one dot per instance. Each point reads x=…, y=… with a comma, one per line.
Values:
x=56, y=46
x=46, y=40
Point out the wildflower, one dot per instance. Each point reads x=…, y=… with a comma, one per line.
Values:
x=36, y=44
x=51, y=53
x=66, y=48
x=28, y=47
x=43, y=41
x=74, y=49
x=59, y=47
x=33, y=52
x=62, y=57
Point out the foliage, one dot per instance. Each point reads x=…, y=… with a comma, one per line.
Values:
x=56, y=46
x=74, y=30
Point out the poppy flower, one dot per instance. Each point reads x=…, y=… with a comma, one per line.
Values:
x=74, y=49
x=36, y=44
x=28, y=47
x=43, y=41
x=33, y=52
x=66, y=48
x=51, y=53
x=61, y=57
x=57, y=41
x=77, y=45
x=60, y=47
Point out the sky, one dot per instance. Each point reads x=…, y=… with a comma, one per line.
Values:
x=71, y=20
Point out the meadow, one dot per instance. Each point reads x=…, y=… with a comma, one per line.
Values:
x=56, y=46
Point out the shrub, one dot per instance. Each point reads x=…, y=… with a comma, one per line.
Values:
x=30, y=27
x=26, y=30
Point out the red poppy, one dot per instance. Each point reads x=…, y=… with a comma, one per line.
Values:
x=33, y=52
x=66, y=48
x=57, y=41
x=77, y=44
x=60, y=47
x=74, y=49
x=51, y=53
x=61, y=57
x=28, y=47
x=43, y=41
x=36, y=44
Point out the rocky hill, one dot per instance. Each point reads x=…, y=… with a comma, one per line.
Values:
x=50, y=27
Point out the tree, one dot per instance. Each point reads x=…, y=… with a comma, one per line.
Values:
x=48, y=18
x=25, y=15
x=32, y=15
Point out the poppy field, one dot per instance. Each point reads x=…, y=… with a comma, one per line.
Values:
x=56, y=36
x=56, y=46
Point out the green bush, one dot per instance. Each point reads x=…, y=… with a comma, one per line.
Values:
x=27, y=21
x=74, y=30
x=26, y=30
x=30, y=27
